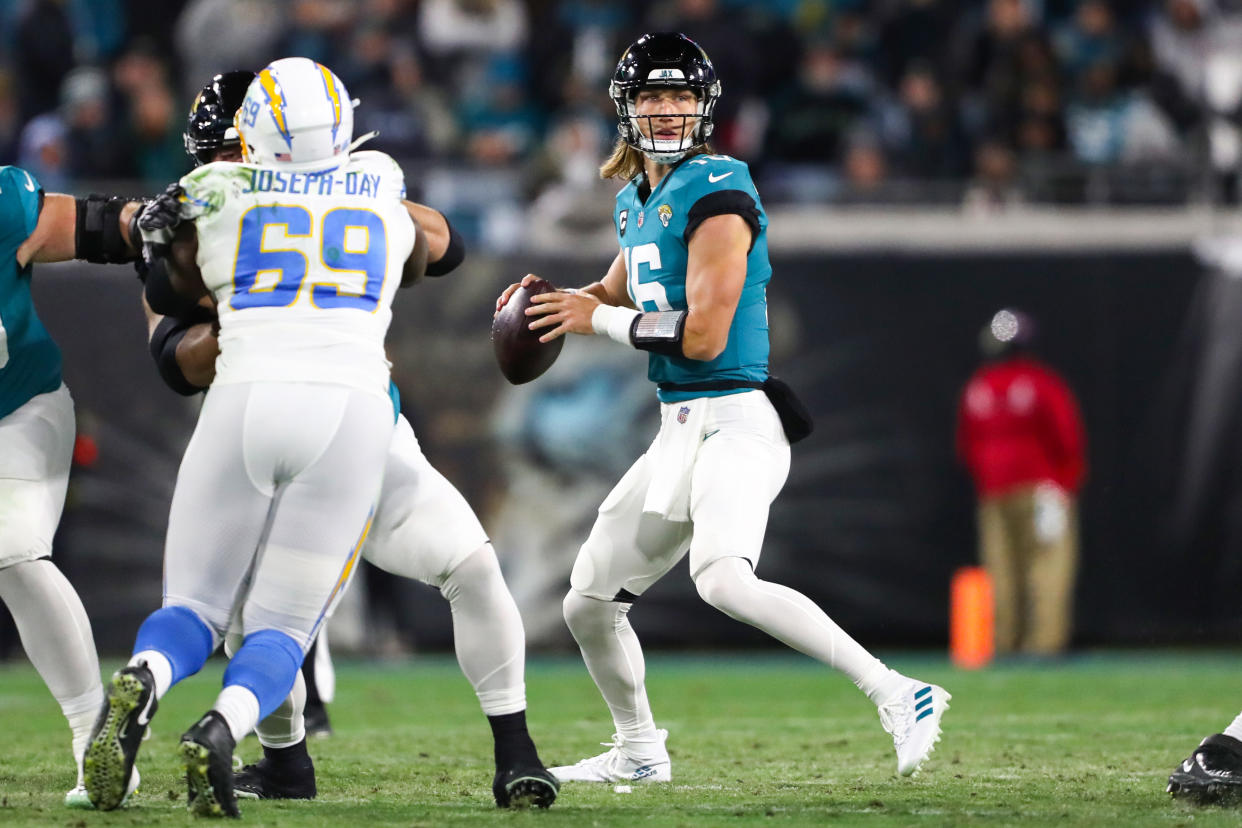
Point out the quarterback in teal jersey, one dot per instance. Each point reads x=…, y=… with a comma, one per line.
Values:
x=36, y=441
x=689, y=287
x=654, y=223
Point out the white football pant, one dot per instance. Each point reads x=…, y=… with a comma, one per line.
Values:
x=276, y=491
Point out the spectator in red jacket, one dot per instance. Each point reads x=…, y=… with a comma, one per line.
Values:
x=1020, y=435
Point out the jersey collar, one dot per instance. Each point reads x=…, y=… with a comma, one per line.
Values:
x=644, y=189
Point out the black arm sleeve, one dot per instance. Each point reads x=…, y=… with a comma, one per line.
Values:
x=168, y=333
x=453, y=256
x=161, y=295
x=97, y=233
x=720, y=203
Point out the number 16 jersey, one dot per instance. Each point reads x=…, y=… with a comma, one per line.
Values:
x=654, y=229
x=303, y=266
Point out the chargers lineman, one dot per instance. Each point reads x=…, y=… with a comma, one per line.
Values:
x=276, y=490
x=689, y=287
x=36, y=441
x=423, y=527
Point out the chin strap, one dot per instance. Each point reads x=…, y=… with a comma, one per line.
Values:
x=666, y=158
x=360, y=140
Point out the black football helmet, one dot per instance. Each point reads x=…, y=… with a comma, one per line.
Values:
x=664, y=59
x=210, y=125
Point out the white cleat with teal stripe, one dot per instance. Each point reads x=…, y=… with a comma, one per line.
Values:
x=913, y=717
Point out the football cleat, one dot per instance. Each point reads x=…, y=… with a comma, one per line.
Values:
x=913, y=719
x=623, y=763
x=525, y=787
x=108, y=766
x=207, y=753
x=1212, y=775
x=266, y=780
x=79, y=798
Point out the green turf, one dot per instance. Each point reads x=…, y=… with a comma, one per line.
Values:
x=755, y=740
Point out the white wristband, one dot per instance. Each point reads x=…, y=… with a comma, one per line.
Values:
x=614, y=322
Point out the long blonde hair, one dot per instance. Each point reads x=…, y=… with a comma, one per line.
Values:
x=626, y=162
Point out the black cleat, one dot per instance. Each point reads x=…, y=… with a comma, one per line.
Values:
x=1212, y=775
x=525, y=787
x=267, y=780
x=109, y=761
x=316, y=718
x=207, y=753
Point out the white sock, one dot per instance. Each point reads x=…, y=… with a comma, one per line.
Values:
x=1235, y=728
x=160, y=667
x=240, y=708
x=882, y=684
x=82, y=713
x=615, y=661
x=56, y=635
x=325, y=670
x=285, y=727
x=730, y=585
x=487, y=633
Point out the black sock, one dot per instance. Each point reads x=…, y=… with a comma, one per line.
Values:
x=308, y=673
x=292, y=757
x=513, y=742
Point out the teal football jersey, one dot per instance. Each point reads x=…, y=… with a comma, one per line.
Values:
x=29, y=359
x=652, y=235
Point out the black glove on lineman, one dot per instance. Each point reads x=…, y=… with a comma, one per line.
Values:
x=158, y=221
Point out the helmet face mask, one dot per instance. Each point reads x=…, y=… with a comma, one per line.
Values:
x=209, y=127
x=661, y=61
x=296, y=113
x=648, y=125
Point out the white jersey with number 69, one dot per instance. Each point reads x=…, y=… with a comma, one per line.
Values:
x=303, y=267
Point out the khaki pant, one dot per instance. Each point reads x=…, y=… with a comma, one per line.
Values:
x=1028, y=542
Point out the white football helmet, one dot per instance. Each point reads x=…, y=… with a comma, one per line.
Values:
x=296, y=113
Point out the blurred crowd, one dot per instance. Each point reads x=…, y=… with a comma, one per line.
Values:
x=498, y=107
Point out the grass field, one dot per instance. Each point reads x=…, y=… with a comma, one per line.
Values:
x=755, y=740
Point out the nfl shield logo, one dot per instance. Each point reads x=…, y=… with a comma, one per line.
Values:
x=682, y=414
x=640, y=219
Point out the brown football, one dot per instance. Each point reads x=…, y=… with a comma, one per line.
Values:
x=522, y=357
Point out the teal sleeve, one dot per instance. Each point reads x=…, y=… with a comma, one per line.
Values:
x=20, y=197
x=716, y=173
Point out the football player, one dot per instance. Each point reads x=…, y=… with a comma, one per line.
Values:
x=688, y=287
x=36, y=440
x=423, y=527
x=302, y=250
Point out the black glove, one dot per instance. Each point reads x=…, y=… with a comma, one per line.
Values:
x=158, y=221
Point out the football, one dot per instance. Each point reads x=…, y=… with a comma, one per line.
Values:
x=522, y=357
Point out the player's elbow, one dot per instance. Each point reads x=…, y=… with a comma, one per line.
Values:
x=700, y=353
x=702, y=346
